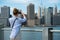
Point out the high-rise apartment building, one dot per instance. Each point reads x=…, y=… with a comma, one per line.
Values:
x=49, y=16
x=30, y=11
x=30, y=15
x=5, y=13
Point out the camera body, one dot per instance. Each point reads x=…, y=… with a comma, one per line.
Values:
x=19, y=12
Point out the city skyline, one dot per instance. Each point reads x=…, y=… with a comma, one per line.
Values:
x=45, y=17
x=22, y=4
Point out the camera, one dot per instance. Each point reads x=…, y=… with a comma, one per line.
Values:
x=19, y=12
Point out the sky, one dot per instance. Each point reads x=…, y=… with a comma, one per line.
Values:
x=22, y=4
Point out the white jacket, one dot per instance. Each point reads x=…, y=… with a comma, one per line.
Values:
x=17, y=23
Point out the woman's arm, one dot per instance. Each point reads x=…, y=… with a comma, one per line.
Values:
x=23, y=15
x=23, y=19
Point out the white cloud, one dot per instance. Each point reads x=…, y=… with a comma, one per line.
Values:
x=19, y=1
x=53, y=1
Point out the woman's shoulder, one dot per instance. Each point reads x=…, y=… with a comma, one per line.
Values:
x=11, y=18
x=19, y=18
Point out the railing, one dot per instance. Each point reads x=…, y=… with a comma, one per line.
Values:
x=35, y=30
x=55, y=31
x=47, y=33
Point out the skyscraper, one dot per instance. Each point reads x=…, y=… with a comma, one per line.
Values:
x=50, y=10
x=31, y=15
x=49, y=16
x=42, y=19
x=0, y=11
x=59, y=11
x=55, y=10
x=39, y=15
x=56, y=19
x=47, y=22
x=39, y=12
x=5, y=13
x=30, y=11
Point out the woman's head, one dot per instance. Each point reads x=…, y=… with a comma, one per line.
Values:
x=15, y=11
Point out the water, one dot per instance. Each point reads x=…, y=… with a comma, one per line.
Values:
x=56, y=36
x=31, y=35
x=38, y=35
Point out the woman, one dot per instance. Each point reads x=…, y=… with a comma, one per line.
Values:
x=15, y=23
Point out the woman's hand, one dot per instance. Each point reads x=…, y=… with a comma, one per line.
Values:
x=23, y=15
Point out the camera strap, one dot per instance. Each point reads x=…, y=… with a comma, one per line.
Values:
x=14, y=22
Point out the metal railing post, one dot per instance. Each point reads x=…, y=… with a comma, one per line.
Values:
x=46, y=34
